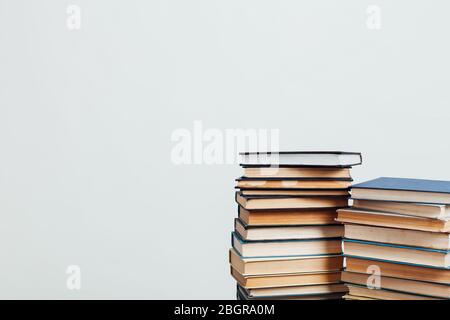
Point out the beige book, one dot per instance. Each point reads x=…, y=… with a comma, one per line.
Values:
x=296, y=291
x=288, y=217
x=414, y=238
x=286, y=247
x=287, y=232
x=283, y=265
x=288, y=192
x=426, y=257
x=285, y=280
x=437, y=211
x=296, y=172
x=293, y=184
x=383, y=219
x=289, y=202
x=381, y=294
x=400, y=285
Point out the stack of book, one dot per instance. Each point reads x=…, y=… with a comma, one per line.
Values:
x=287, y=243
x=397, y=240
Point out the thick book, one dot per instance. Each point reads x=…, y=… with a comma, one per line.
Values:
x=279, y=248
x=396, y=253
x=403, y=190
x=295, y=172
x=412, y=238
x=290, y=202
x=302, y=158
x=287, y=217
x=293, y=183
x=248, y=232
x=295, y=291
x=283, y=265
x=285, y=280
x=436, y=211
x=407, y=286
x=383, y=294
x=399, y=270
x=391, y=220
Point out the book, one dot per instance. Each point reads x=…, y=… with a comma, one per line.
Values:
x=413, y=238
x=285, y=280
x=399, y=270
x=294, y=291
x=434, y=211
x=382, y=294
x=248, y=232
x=401, y=285
x=391, y=220
x=290, y=192
x=403, y=190
x=397, y=253
x=296, y=172
x=302, y=158
x=290, y=202
x=282, y=265
x=277, y=248
x=243, y=294
x=288, y=217
x=293, y=183
x=350, y=297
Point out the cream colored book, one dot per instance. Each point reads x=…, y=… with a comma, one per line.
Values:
x=427, y=289
x=414, y=238
x=284, y=265
x=437, y=211
x=396, y=270
x=278, y=248
x=380, y=294
x=287, y=232
x=286, y=280
x=396, y=253
x=384, y=219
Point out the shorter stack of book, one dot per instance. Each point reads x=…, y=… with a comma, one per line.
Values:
x=287, y=243
x=397, y=240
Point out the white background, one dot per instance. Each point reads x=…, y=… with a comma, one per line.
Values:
x=86, y=118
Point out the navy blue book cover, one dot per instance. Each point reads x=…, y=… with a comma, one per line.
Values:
x=402, y=184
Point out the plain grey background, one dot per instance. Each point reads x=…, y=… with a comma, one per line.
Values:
x=86, y=118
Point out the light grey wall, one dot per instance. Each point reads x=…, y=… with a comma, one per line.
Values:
x=86, y=118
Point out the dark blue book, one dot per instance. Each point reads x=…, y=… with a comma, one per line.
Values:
x=403, y=190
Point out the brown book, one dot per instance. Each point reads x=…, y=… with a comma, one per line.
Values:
x=288, y=217
x=285, y=280
x=380, y=294
x=396, y=270
x=293, y=172
x=290, y=202
x=400, y=285
x=383, y=219
x=253, y=183
x=283, y=265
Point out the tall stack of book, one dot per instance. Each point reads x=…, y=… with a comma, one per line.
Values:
x=287, y=243
x=397, y=240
